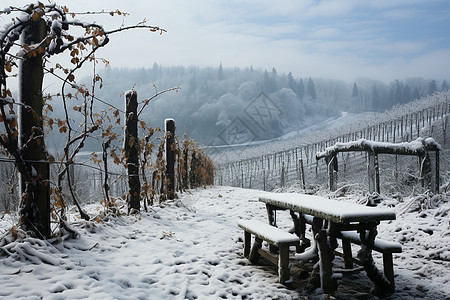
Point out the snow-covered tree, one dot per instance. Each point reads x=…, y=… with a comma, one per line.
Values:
x=37, y=32
x=432, y=88
x=355, y=91
x=444, y=87
x=311, y=89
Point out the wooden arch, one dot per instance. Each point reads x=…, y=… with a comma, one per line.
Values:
x=426, y=149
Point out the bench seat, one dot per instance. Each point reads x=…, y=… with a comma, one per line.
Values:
x=272, y=235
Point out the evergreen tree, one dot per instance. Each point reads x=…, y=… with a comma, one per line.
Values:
x=311, y=89
x=432, y=88
x=444, y=87
x=269, y=83
x=155, y=69
x=376, y=100
x=301, y=89
x=406, y=94
x=416, y=94
x=220, y=72
x=355, y=91
x=291, y=83
x=274, y=72
x=298, y=89
x=395, y=93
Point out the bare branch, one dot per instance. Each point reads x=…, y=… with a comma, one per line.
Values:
x=146, y=101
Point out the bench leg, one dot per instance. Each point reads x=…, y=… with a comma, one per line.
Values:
x=254, y=255
x=389, y=268
x=283, y=264
x=247, y=243
x=347, y=249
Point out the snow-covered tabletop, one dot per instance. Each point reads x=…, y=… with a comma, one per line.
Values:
x=332, y=210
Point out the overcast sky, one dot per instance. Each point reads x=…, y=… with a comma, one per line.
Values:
x=343, y=39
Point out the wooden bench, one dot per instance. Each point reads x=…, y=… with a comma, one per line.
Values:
x=382, y=246
x=272, y=235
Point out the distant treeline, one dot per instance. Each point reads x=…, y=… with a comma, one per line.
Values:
x=221, y=105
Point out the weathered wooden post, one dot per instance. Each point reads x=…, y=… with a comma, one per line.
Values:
x=35, y=203
x=185, y=175
x=332, y=165
x=170, y=157
x=437, y=180
x=264, y=179
x=106, y=188
x=373, y=173
x=429, y=170
x=302, y=174
x=131, y=147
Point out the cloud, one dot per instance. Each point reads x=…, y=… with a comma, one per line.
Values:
x=340, y=38
x=326, y=9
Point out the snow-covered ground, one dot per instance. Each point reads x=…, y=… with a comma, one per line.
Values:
x=191, y=248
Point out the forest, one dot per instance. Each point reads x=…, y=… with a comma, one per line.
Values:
x=211, y=99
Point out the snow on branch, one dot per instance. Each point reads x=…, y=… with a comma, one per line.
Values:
x=417, y=147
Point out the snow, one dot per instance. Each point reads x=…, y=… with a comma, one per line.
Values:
x=420, y=145
x=56, y=27
x=270, y=233
x=192, y=248
x=336, y=210
x=7, y=10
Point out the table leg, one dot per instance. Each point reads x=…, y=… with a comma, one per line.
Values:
x=299, y=230
x=325, y=239
x=326, y=242
x=382, y=284
x=271, y=214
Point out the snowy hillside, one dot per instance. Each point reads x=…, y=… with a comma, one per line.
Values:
x=292, y=161
x=214, y=99
x=192, y=249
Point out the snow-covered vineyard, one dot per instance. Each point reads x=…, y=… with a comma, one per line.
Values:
x=293, y=161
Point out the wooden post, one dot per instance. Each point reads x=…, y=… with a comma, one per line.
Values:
x=170, y=157
x=436, y=172
x=131, y=146
x=326, y=248
x=430, y=171
x=35, y=203
x=373, y=173
x=283, y=263
x=264, y=179
x=302, y=172
x=247, y=243
x=185, y=176
x=105, y=147
x=332, y=166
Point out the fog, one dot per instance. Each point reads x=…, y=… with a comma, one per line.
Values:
x=228, y=106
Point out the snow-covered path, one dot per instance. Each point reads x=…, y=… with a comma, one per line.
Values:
x=189, y=249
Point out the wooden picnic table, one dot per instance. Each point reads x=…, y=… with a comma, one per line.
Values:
x=329, y=218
